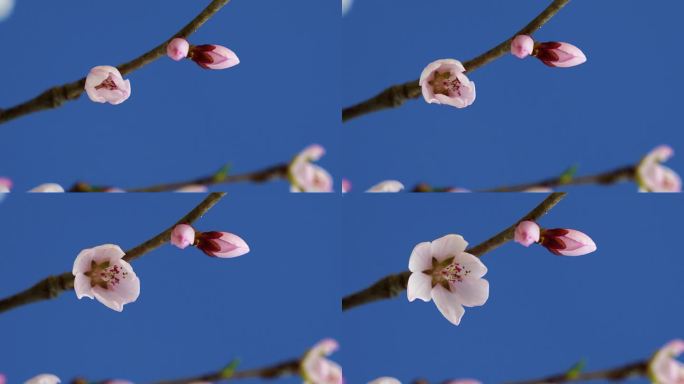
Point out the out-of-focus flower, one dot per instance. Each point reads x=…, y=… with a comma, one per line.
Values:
x=6, y=7
x=444, y=82
x=566, y=242
x=3, y=379
x=664, y=368
x=5, y=185
x=385, y=380
x=653, y=176
x=44, y=378
x=178, y=49
x=194, y=188
x=522, y=46
x=210, y=56
x=221, y=244
x=101, y=273
x=527, y=233
x=457, y=190
x=387, y=186
x=346, y=6
x=118, y=381
x=316, y=368
x=463, y=381
x=305, y=176
x=104, y=84
x=346, y=185
x=442, y=271
x=559, y=54
x=538, y=190
x=48, y=188
x=182, y=236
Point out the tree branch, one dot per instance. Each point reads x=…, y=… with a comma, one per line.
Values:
x=614, y=176
x=56, y=96
x=278, y=171
x=290, y=367
x=637, y=369
x=53, y=286
x=397, y=95
x=393, y=285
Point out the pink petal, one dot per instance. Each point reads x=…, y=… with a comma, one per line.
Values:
x=421, y=257
x=472, y=292
x=448, y=304
x=527, y=233
x=231, y=246
x=448, y=246
x=385, y=380
x=471, y=263
x=82, y=287
x=419, y=287
x=45, y=378
x=182, y=236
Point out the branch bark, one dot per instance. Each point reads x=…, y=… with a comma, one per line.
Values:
x=397, y=95
x=57, y=96
x=637, y=369
x=393, y=285
x=53, y=286
x=290, y=367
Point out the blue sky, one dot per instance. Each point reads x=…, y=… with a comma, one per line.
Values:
x=544, y=312
x=195, y=313
x=528, y=121
x=181, y=121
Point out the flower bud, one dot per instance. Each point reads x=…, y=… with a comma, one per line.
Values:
x=5, y=185
x=522, y=46
x=182, y=236
x=104, y=84
x=557, y=54
x=221, y=244
x=178, y=49
x=48, y=188
x=346, y=186
x=211, y=56
x=387, y=186
x=567, y=242
x=526, y=233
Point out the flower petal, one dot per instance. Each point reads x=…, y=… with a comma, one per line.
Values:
x=472, y=292
x=419, y=287
x=421, y=257
x=471, y=263
x=448, y=246
x=448, y=304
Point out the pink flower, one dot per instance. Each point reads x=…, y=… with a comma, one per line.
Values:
x=104, y=84
x=44, y=378
x=387, y=186
x=444, y=82
x=102, y=273
x=221, y=244
x=664, y=368
x=557, y=54
x=522, y=46
x=48, y=188
x=385, y=380
x=182, y=236
x=178, y=49
x=346, y=186
x=308, y=177
x=210, y=56
x=652, y=176
x=567, y=242
x=317, y=369
x=526, y=233
x=442, y=271
x=5, y=186
x=193, y=188
x=3, y=379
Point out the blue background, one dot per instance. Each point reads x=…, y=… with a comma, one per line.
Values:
x=529, y=121
x=544, y=312
x=194, y=313
x=181, y=121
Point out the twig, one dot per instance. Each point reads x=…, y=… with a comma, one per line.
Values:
x=56, y=96
x=53, y=286
x=615, y=176
x=290, y=367
x=397, y=95
x=278, y=171
x=639, y=368
x=392, y=285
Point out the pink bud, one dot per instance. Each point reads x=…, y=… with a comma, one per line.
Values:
x=221, y=244
x=346, y=185
x=213, y=56
x=557, y=54
x=178, y=49
x=104, y=84
x=522, y=46
x=192, y=188
x=182, y=236
x=5, y=186
x=567, y=242
x=526, y=233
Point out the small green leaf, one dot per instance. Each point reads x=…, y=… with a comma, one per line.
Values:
x=221, y=174
x=567, y=175
x=576, y=369
x=229, y=369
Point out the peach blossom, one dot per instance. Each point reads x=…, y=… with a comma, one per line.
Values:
x=211, y=56
x=387, y=186
x=527, y=233
x=316, y=368
x=5, y=185
x=221, y=244
x=104, y=84
x=444, y=82
x=653, y=176
x=48, y=188
x=567, y=242
x=346, y=186
x=559, y=54
x=193, y=188
x=664, y=368
x=45, y=378
x=522, y=46
x=305, y=176
x=177, y=49
x=182, y=236
x=385, y=380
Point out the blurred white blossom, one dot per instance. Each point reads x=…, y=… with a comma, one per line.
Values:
x=6, y=7
x=346, y=5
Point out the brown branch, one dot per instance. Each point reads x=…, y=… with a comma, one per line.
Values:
x=393, y=285
x=53, y=286
x=637, y=369
x=278, y=171
x=290, y=367
x=397, y=95
x=614, y=176
x=56, y=96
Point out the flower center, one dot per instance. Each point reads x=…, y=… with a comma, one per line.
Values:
x=443, y=84
x=108, y=83
x=446, y=272
x=104, y=275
